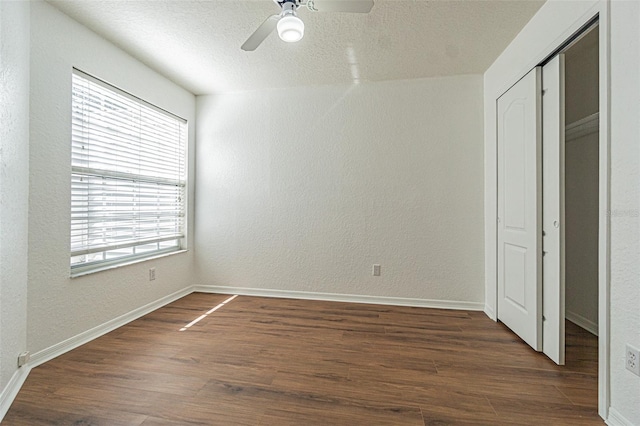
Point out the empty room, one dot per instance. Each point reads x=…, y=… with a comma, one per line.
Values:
x=320, y=212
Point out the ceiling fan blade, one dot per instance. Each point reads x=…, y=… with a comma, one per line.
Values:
x=261, y=33
x=351, y=6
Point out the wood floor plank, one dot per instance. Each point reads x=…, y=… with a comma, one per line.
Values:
x=554, y=413
x=35, y=416
x=586, y=396
x=262, y=361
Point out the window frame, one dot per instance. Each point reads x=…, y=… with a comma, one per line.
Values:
x=80, y=269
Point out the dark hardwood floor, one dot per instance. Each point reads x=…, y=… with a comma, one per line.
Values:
x=261, y=361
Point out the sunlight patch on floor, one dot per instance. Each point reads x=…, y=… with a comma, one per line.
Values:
x=210, y=311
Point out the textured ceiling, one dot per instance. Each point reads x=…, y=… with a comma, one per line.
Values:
x=197, y=43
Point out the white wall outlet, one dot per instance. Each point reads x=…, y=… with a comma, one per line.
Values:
x=376, y=270
x=152, y=274
x=633, y=360
x=24, y=358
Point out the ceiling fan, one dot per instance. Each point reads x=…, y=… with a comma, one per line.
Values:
x=290, y=27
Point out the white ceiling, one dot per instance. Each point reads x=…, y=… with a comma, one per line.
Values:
x=197, y=43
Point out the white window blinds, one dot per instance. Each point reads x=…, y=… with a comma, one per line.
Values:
x=128, y=172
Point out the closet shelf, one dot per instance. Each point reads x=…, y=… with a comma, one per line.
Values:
x=585, y=126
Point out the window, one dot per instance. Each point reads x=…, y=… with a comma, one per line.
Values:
x=128, y=177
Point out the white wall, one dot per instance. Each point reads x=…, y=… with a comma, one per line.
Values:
x=304, y=189
x=60, y=307
x=581, y=231
x=581, y=77
x=556, y=21
x=625, y=204
x=14, y=181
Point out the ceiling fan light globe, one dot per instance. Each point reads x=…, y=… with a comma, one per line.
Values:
x=290, y=28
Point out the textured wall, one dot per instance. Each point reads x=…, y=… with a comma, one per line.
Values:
x=625, y=204
x=581, y=231
x=14, y=181
x=60, y=307
x=305, y=189
x=582, y=78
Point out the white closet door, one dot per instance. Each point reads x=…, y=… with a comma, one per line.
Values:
x=553, y=260
x=519, y=209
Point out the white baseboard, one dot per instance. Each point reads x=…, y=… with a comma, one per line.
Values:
x=58, y=349
x=12, y=388
x=490, y=312
x=583, y=322
x=337, y=297
x=617, y=419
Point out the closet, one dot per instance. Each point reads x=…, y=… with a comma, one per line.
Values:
x=548, y=206
x=581, y=181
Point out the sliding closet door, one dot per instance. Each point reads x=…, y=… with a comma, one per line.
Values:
x=553, y=218
x=519, y=209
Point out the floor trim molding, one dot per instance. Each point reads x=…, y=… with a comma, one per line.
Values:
x=12, y=388
x=489, y=312
x=617, y=419
x=58, y=349
x=582, y=322
x=337, y=297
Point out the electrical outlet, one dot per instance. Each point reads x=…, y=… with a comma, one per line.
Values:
x=633, y=360
x=152, y=274
x=376, y=270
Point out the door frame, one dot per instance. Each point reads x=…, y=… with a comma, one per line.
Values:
x=600, y=11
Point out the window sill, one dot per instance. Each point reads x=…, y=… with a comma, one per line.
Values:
x=100, y=268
